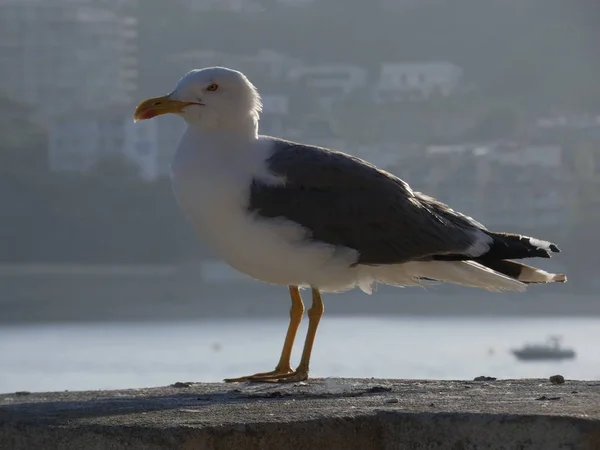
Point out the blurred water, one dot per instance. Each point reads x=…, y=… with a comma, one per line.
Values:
x=128, y=355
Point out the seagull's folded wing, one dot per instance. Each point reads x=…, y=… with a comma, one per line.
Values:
x=343, y=200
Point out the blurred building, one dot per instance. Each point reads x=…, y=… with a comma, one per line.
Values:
x=500, y=184
x=63, y=55
x=77, y=142
x=328, y=83
x=416, y=81
x=238, y=6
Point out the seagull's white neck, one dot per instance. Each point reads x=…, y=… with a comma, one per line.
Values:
x=242, y=126
x=211, y=171
x=200, y=147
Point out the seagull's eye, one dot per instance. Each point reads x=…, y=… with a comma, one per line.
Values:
x=213, y=87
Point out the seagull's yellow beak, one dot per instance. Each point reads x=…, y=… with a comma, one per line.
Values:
x=158, y=106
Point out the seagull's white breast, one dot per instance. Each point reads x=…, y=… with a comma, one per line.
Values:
x=211, y=181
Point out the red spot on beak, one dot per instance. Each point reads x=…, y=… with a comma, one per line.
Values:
x=149, y=114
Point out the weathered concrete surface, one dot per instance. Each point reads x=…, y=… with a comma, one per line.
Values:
x=320, y=414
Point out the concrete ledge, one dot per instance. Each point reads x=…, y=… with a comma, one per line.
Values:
x=320, y=414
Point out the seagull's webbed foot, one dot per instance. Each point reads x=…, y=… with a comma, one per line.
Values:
x=291, y=377
x=274, y=376
x=262, y=376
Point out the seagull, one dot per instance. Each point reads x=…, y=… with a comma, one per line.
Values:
x=308, y=217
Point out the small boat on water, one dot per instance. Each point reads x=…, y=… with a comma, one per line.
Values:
x=539, y=352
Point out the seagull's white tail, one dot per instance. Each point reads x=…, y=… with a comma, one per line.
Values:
x=469, y=273
x=465, y=273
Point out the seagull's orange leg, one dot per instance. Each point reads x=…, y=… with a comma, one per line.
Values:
x=301, y=373
x=284, y=366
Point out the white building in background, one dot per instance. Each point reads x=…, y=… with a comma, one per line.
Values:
x=77, y=143
x=416, y=81
x=296, y=3
x=238, y=6
x=62, y=55
x=329, y=82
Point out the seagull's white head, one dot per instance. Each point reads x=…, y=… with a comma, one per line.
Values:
x=215, y=98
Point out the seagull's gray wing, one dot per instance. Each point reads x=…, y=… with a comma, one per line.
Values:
x=342, y=200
